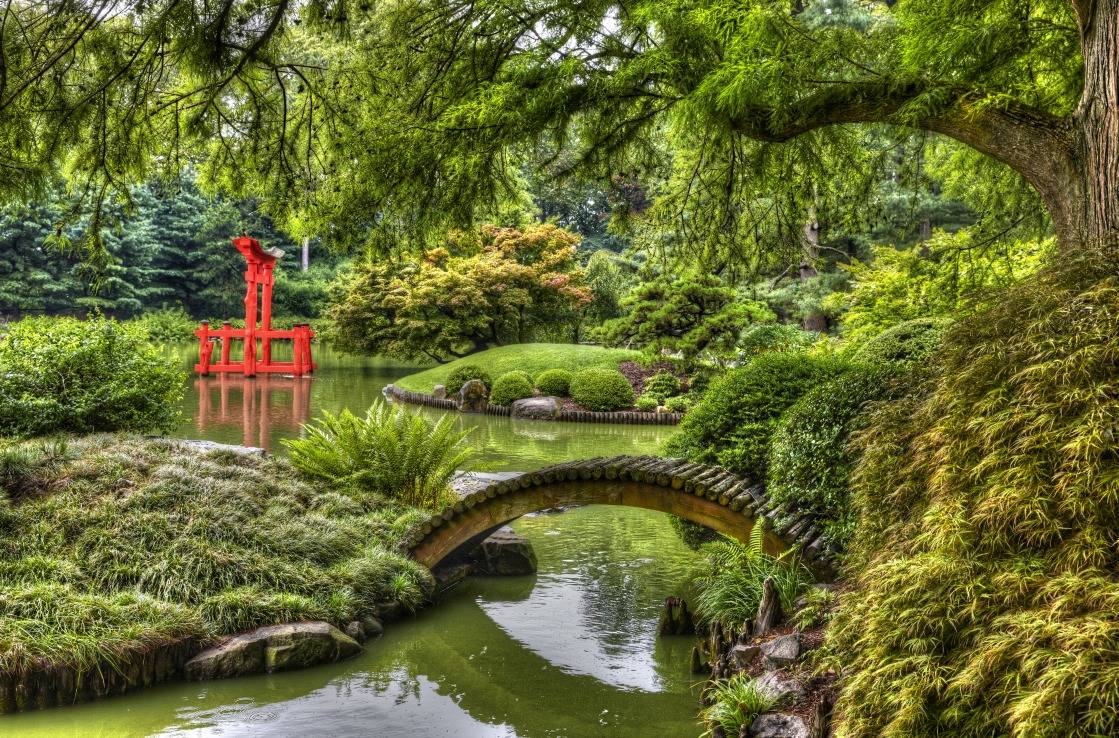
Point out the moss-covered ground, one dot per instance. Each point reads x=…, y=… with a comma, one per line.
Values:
x=111, y=545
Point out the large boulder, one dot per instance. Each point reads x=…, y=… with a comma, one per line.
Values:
x=742, y=655
x=780, y=689
x=781, y=651
x=439, y=392
x=271, y=649
x=536, y=408
x=504, y=554
x=778, y=725
x=473, y=397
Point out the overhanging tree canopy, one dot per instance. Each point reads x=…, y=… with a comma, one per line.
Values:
x=418, y=110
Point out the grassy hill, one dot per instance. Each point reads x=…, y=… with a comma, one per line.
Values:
x=530, y=357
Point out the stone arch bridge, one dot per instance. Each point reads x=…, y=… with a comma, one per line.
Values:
x=701, y=493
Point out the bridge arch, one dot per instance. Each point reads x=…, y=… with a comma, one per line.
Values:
x=703, y=493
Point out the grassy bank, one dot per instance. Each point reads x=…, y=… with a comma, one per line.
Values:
x=112, y=545
x=529, y=357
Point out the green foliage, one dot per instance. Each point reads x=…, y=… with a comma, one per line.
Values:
x=984, y=563
x=463, y=373
x=729, y=587
x=948, y=273
x=511, y=386
x=735, y=703
x=62, y=374
x=810, y=461
x=647, y=403
x=601, y=389
x=816, y=608
x=911, y=343
x=607, y=283
x=662, y=385
x=679, y=404
x=169, y=325
x=758, y=339
x=133, y=543
x=496, y=286
x=532, y=358
x=733, y=422
x=695, y=317
x=554, y=382
x=391, y=451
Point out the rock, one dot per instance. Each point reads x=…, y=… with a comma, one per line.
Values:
x=273, y=648
x=504, y=554
x=778, y=725
x=356, y=631
x=779, y=688
x=208, y=446
x=661, y=410
x=387, y=612
x=439, y=392
x=741, y=656
x=781, y=651
x=449, y=575
x=473, y=397
x=536, y=408
x=372, y=626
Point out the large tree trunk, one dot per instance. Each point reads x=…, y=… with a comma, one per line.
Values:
x=1096, y=199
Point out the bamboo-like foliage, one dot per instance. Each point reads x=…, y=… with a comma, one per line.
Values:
x=735, y=702
x=391, y=450
x=987, y=600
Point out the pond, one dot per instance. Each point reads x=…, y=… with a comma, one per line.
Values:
x=571, y=651
x=264, y=410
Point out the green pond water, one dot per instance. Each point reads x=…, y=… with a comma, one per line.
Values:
x=571, y=651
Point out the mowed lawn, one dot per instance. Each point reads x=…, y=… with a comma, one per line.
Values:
x=530, y=357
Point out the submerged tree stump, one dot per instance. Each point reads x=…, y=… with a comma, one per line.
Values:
x=769, y=609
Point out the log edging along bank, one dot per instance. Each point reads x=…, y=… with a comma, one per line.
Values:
x=622, y=417
x=714, y=483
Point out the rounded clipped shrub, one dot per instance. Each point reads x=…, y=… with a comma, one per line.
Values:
x=509, y=387
x=662, y=385
x=69, y=375
x=733, y=422
x=554, y=382
x=810, y=459
x=463, y=374
x=760, y=339
x=911, y=342
x=679, y=404
x=647, y=403
x=601, y=389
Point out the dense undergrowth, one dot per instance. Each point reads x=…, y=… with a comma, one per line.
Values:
x=987, y=599
x=111, y=545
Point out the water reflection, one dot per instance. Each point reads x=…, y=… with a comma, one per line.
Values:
x=256, y=404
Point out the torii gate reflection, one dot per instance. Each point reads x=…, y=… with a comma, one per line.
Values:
x=256, y=404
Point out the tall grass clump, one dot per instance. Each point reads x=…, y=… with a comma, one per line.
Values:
x=136, y=542
x=985, y=564
x=735, y=703
x=69, y=375
x=728, y=589
x=392, y=451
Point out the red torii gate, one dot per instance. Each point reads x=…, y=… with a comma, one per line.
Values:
x=260, y=264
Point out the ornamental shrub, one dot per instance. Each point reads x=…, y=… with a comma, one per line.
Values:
x=69, y=375
x=463, y=374
x=647, y=403
x=679, y=404
x=554, y=382
x=732, y=424
x=911, y=342
x=810, y=460
x=510, y=386
x=662, y=385
x=765, y=337
x=601, y=389
x=984, y=564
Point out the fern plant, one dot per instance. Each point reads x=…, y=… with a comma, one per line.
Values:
x=391, y=451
